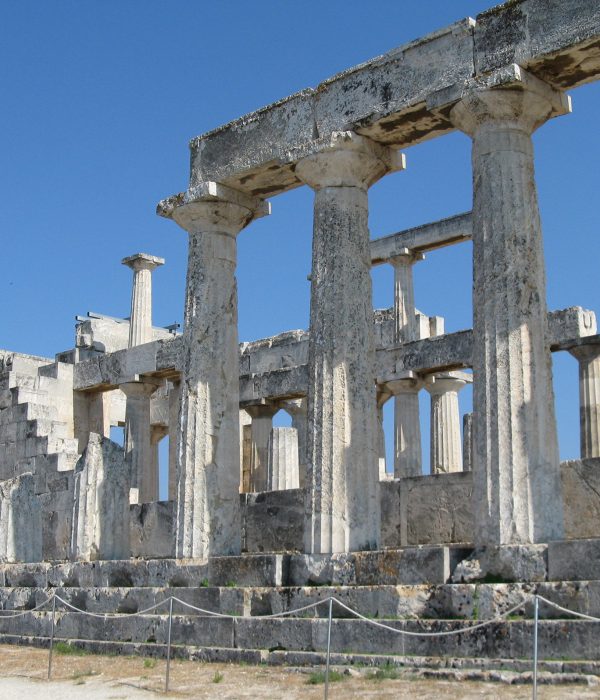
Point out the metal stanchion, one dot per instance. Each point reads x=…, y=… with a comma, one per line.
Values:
x=535, y=645
x=51, y=637
x=328, y=649
x=169, y=645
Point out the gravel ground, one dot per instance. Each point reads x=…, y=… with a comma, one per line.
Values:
x=23, y=671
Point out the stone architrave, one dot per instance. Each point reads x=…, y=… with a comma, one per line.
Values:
x=138, y=442
x=516, y=477
x=140, y=321
x=260, y=432
x=298, y=410
x=446, y=448
x=174, y=404
x=101, y=502
x=468, y=442
x=20, y=520
x=342, y=503
x=588, y=357
x=282, y=472
x=208, y=503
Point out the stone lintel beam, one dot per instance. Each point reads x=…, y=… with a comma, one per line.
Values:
x=568, y=328
x=454, y=229
x=386, y=98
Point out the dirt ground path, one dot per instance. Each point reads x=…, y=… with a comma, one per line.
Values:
x=23, y=672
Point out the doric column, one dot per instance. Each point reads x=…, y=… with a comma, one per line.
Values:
x=174, y=405
x=283, y=459
x=407, y=426
x=157, y=433
x=516, y=477
x=342, y=507
x=208, y=504
x=298, y=410
x=588, y=357
x=446, y=452
x=138, y=447
x=140, y=321
x=468, y=442
x=383, y=394
x=405, y=320
x=260, y=431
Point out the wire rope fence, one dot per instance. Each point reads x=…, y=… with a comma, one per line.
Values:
x=330, y=601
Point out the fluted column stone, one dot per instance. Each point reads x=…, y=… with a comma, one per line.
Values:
x=383, y=394
x=407, y=426
x=342, y=506
x=140, y=320
x=588, y=357
x=138, y=446
x=174, y=406
x=260, y=432
x=282, y=471
x=468, y=442
x=208, y=504
x=446, y=448
x=516, y=477
x=298, y=410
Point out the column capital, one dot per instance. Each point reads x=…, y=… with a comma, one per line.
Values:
x=585, y=352
x=407, y=383
x=404, y=257
x=295, y=406
x=346, y=159
x=140, y=387
x=213, y=208
x=262, y=410
x=511, y=96
x=443, y=382
x=143, y=261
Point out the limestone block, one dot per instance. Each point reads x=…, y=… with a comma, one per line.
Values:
x=282, y=466
x=556, y=40
x=506, y=563
x=273, y=521
x=20, y=521
x=152, y=530
x=433, y=509
x=581, y=489
x=101, y=502
x=574, y=560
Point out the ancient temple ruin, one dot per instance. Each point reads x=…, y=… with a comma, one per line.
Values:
x=312, y=505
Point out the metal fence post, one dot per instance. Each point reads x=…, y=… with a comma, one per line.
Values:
x=51, y=637
x=328, y=649
x=169, y=645
x=535, y=645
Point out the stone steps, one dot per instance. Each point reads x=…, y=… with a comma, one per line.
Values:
x=557, y=639
x=447, y=601
x=511, y=671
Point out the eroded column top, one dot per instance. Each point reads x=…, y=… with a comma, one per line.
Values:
x=143, y=261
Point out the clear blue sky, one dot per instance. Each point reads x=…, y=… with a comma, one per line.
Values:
x=101, y=98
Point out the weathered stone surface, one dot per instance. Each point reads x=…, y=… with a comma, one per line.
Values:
x=581, y=491
x=101, y=502
x=152, y=530
x=273, y=521
x=260, y=432
x=573, y=560
x=505, y=563
x=282, y=468
x=342, y=506
x=140, y=320
x=516, y=474
x=208, y=516
x=431, y=509
x=20, y=520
